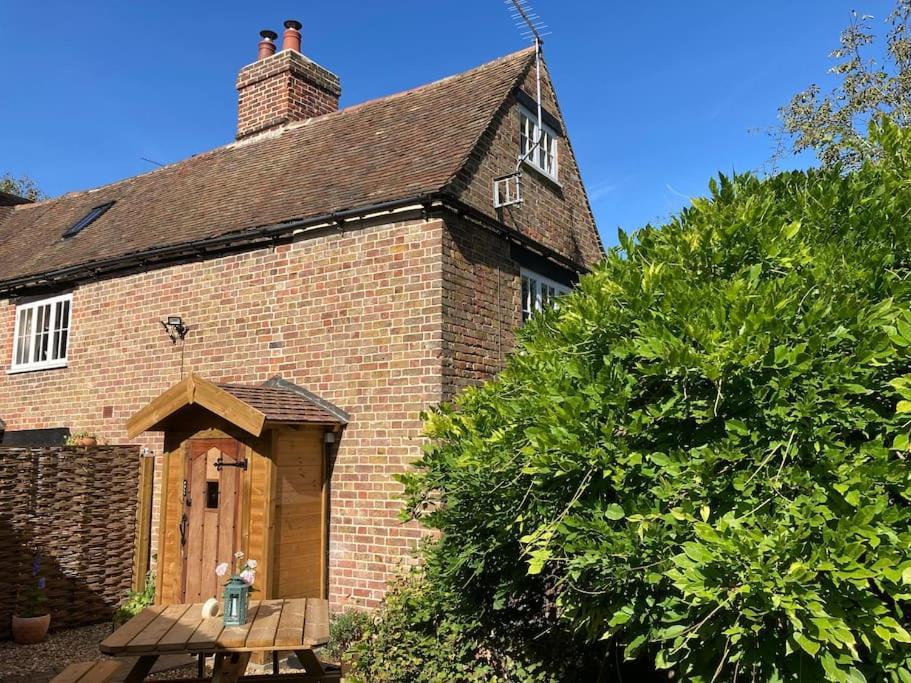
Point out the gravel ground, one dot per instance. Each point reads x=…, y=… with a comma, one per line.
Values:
x=40, y=663
x=54, y=654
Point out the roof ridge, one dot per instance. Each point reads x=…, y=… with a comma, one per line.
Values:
x=420, y=88
x=275, y=132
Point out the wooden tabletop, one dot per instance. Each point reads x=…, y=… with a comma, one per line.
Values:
x=297, y=624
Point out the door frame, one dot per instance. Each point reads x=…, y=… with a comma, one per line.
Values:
x=254, y=534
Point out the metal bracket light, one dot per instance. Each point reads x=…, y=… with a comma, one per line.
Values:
x=175, y=328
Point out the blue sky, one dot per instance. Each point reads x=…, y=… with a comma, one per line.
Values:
x=658, y=96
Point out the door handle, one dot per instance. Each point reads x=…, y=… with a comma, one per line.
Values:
x=184, y=523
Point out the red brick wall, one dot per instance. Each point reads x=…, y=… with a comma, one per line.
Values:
x=481, y=312
x=282, y=88
x=355, y=317
x=557, y=215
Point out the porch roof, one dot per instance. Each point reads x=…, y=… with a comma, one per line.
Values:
x=249, y=407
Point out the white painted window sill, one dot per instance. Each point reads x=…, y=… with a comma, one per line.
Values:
x=55, y=365
x=532, y=166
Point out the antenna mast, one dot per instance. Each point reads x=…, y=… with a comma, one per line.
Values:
x=507, y=190
x=532, y=27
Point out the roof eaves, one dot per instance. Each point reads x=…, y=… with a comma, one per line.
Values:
x=170, y=252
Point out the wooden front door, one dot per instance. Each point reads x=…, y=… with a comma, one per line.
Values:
x=211, y=521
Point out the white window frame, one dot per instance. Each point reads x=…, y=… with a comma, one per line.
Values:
x=549, y=145
x=545, y=290
x=52, y=331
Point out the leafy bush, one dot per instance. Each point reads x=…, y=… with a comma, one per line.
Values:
x=136, y=601
x=425, y=633
x=704, y=451
x=345, y=629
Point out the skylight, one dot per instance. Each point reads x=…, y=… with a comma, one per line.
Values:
x=87, y=220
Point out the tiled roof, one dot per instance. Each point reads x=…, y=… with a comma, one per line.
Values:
x=285, y=404
x=393, y=148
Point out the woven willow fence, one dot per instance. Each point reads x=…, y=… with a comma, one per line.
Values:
x=77, y=507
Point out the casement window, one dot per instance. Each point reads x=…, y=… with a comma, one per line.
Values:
x=41, y=335
x=538, y=292
x=544, y=156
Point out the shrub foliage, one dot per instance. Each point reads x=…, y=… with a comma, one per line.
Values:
x=703, y=453
x=427, y=632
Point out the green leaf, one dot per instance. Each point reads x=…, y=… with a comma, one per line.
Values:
x=632, y=649
x=811, y=647
x=660, y=459
x=614, y=512
x=791, y=230
x=697, y=552
x=538, y=559
x=857, y=389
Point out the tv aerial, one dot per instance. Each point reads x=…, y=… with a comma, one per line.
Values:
x=507, y=190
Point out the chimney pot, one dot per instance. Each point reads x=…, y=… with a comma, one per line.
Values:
x=267, y=44
x=292, y=37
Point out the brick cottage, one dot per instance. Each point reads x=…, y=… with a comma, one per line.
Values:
x=270, y=318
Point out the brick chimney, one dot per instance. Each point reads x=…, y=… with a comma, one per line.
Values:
x=281, y=87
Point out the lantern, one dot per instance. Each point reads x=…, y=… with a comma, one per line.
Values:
x=237, y=596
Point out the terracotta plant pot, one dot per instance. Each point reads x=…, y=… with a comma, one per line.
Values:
x=88, y=441
x=30, y=630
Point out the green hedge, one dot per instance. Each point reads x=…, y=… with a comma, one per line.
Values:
x=703, y=454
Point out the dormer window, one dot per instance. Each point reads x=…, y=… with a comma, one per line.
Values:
x=41, y=335
x=543, y=156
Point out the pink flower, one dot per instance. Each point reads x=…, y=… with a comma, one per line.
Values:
x=222, y=569
x=248, y=576
x=251, y=564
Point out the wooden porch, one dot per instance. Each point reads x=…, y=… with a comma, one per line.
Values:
x=246, y=468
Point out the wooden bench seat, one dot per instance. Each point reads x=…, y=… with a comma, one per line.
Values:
x=100, y=671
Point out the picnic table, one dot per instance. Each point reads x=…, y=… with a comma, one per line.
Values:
x=293, y=625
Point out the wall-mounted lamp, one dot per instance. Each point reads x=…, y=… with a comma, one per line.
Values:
x=175, y=328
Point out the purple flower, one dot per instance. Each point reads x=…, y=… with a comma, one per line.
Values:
x=222, y=569
x=36, y=564
x=42, y=582
x=248, y=576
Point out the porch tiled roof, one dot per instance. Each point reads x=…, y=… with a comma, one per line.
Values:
x=284, y=405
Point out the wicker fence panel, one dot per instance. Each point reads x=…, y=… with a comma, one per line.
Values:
x=77, y=507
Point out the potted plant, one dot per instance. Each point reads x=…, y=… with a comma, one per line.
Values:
x=32, y=620
x=82, y=439
x=237, y=589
